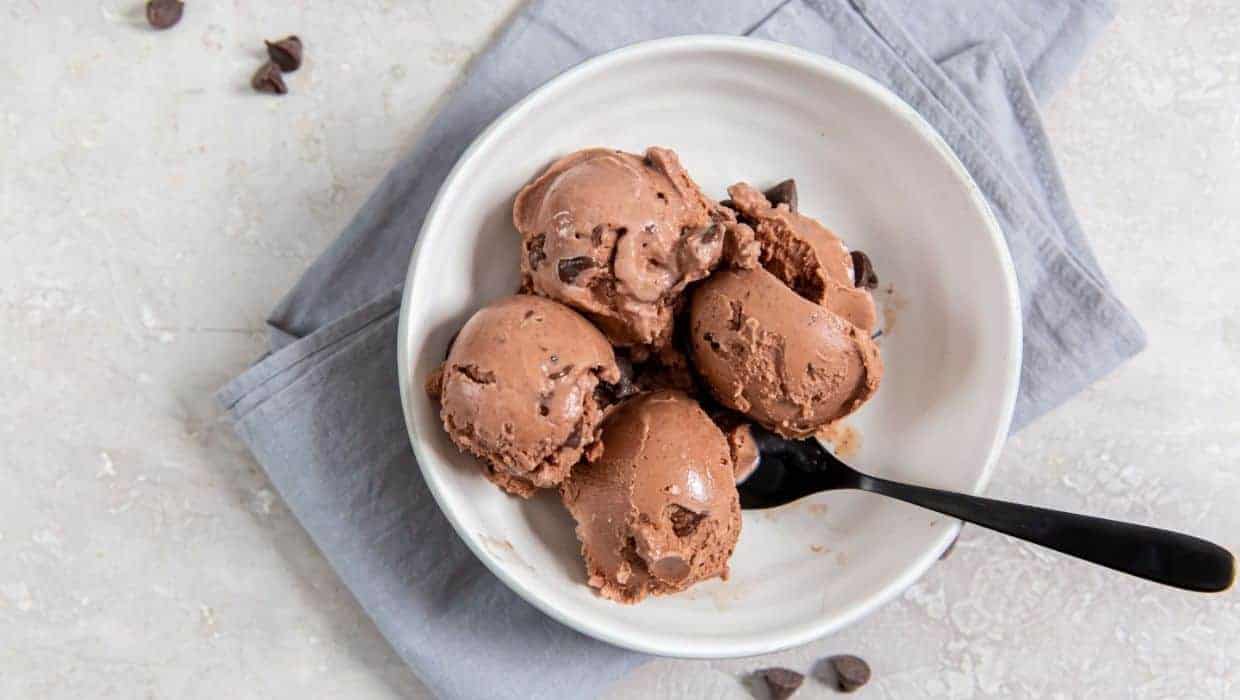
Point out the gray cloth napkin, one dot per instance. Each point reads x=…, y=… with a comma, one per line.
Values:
x=322, y=414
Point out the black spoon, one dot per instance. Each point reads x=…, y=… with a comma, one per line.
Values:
x=792, y=469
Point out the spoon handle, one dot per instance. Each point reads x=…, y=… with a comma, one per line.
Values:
x=1171, y=558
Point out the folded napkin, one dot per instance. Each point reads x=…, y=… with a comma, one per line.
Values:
x=322, y=414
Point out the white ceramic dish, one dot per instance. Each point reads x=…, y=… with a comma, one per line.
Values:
x=871, y=169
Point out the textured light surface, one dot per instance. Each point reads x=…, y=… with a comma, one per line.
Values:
x=153, y=209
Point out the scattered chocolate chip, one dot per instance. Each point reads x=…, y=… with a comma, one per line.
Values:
x=162, y=14
x=569, y=268
x=560, y=373
x=285, y=53
x=783, y=193
x=781, y=682
x=863, y=271
x=851, y=672
x=574, y=438
x=534, y=252
x=728, y=203
x=268, y=79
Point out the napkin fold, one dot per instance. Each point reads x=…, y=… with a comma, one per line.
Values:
x=322, y=414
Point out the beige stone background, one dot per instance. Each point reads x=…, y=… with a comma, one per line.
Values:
x=152, y=210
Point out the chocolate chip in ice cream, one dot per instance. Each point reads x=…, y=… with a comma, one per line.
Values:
x=846, y=672
x=534, y=250
x=781, y=683
x=163, y=14
x=783, y=193
x=570, y=268
x=268, y=79
x=863, y=270
x=285, y=53
x=614, y=393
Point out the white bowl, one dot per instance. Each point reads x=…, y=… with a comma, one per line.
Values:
x=871, y=169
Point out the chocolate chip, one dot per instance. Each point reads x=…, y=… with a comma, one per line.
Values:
x=863, y=271
x=851, y=672
x=162, y=14
x=535, y=253
x=476, y=374
x=728, y=203
x=684, y=521
x=781, y=682
x=574, y=438
x=571, y=267
x=607, y=394
x=783, y=193
x=268, y=79
x=285, y=53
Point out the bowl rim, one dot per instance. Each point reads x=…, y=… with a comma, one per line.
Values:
x=770, y=50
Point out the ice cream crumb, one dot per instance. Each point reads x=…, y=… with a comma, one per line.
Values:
x=892, y=304
x=845, y=440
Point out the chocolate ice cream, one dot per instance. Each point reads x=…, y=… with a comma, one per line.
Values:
x=518, y=390
x=618, y=236
x=806, y=255
x=789, y=364
x=659, y=510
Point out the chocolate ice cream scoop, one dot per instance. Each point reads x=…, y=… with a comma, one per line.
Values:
x=787, y=363
x=517, y=390
x=806, y=255
x=658, y=511
x=618, y=236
